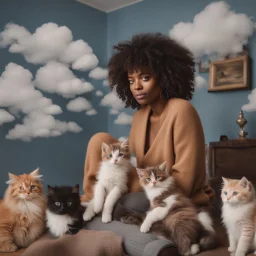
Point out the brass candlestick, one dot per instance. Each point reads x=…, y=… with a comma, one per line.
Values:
x=241, y=121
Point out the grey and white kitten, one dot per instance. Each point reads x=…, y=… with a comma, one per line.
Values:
x=172, y=215
x=112, y=180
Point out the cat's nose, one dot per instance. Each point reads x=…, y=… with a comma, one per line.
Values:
x=115, y=160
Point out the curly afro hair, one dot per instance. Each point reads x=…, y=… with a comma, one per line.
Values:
x=172, y=64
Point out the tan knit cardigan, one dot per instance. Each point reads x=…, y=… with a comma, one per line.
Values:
x=180, y=142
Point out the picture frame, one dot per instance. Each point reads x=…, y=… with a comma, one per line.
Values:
x=229, y=74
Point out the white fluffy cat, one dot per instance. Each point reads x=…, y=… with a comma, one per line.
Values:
x=239, y=215
x=111, y=181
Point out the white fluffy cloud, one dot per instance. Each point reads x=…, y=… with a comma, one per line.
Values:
x=105, y=82
x=91, y=112
x=99, y=93
x=5, y=117
x=123, y=119
x=18, y=92
x=99, y=73
x=200, y=82
x=56, y=77
x=38, y=124
x=79, y=104
x=86, y=62
x=215, y=31
x=111, y=100
x=74, y=50
x=49, y=42
x=251, y=106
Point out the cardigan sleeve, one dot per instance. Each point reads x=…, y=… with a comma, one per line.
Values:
x=188, y=142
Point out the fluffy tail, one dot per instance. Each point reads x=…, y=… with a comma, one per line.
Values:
x=208, y=240
x=133, y=218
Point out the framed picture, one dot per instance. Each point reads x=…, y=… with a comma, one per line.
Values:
x=229, y=74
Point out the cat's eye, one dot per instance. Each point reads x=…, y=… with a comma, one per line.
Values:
x=110, y=155
x=148, y=179
x=120, y=154
x=69, y=203
x=57, y=203
x=225, y=193
x=235, y=193
x=33, y=187
x=158, y=177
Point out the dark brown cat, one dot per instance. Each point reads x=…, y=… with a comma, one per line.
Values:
x=172, y=215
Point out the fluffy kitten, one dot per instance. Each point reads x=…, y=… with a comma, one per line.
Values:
x=22, y=212
x=239, y=215
x=64, y=213
x=172, y=215
x=111, y=181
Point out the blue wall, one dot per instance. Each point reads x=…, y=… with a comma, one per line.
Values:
x=218, y=111
x=60, y=159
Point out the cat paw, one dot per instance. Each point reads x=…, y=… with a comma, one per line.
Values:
x=187, y=253
x=106, y=218
x=231, y=249
x=97, y=208
x=144, y=228
x=127, y=219
x=87, y=216
x=194, y=249
x=8, y=247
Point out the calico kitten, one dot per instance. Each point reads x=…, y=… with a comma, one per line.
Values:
x=111, y=181
x=239, y=215
x=22, y=212
x=172, y=215
x=64, y=213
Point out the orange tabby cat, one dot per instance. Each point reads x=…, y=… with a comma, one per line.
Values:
x=22, y=212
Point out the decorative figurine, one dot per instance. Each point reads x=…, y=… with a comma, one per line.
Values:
x=241, y=121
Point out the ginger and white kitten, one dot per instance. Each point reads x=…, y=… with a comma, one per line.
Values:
x=172, y=215
x=112, y=180
x=22, y=212
x=239, y=215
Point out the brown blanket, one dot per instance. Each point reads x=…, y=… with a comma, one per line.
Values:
x=86, y=242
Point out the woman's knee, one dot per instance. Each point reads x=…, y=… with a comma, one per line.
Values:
x=131, y=203
x=99, y=138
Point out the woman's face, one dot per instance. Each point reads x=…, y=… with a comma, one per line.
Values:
x=144, y=86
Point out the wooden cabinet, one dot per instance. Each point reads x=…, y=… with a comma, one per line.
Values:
x=233, y=159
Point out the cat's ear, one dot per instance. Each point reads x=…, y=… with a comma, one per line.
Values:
x=140, y=172
x=50, y=190
x=12, y=178
x=225, y=180
x=104, y=147
x=125, y=143
x=245, y=183
x=75, y=189
x=35, y=174
x=163, y=167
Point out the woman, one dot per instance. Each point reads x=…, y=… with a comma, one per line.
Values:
x=155, y=75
